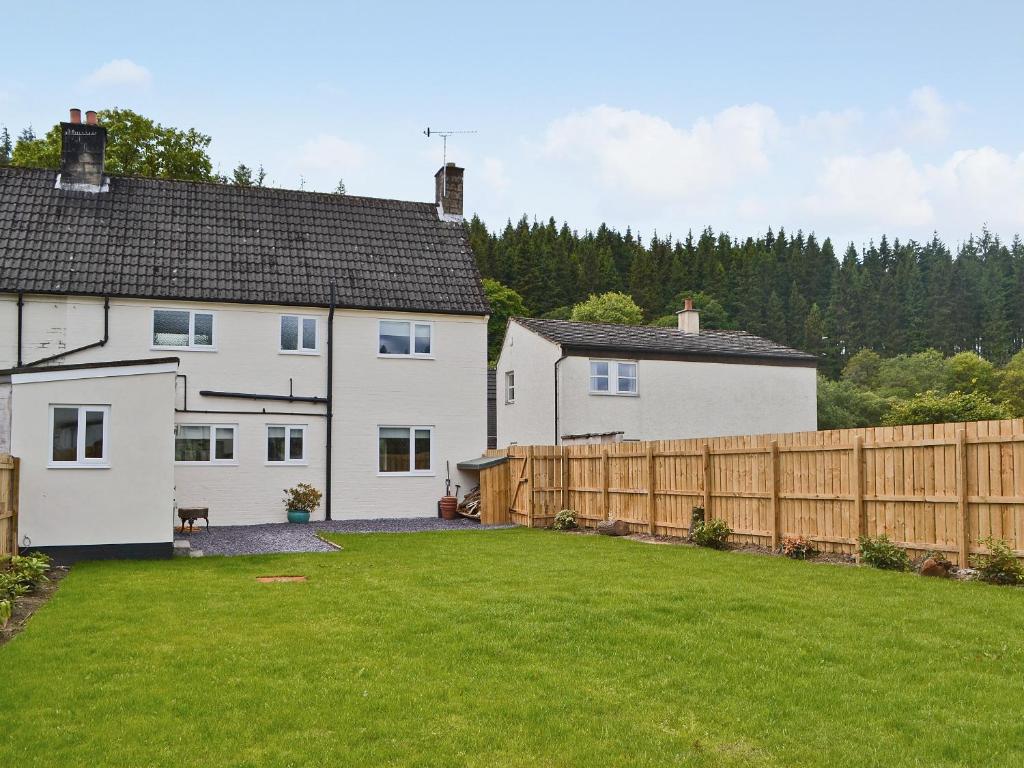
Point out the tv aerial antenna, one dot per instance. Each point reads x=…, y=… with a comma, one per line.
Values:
x=444, y=152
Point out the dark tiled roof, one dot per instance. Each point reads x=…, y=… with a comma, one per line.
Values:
x=645, y=341
x=197, y=241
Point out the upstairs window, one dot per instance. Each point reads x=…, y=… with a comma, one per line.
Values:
x=299, y=334
x=286, y=444
x=79, y=435
x=403, y=338
x=182, y=329
x=510, y=387
x=204, y=443
x=612, y=377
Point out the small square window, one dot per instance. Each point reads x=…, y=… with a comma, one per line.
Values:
x=286, y=444
x=402, y=338
x=182, y=328
x=510, y=387
x=205, y=443
x=299, y=334
x=79, y=435
x=404, y=450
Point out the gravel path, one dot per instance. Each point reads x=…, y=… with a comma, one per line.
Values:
x=286, y=537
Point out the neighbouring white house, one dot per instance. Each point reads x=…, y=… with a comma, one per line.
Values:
x=562, y=382
x=178, y=344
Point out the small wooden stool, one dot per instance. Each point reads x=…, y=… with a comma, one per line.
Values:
x=191, y=514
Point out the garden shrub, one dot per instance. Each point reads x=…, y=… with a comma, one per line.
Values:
x=711, y=533
x=798, y=547
x=18, y=576
x=1000, y=565
x=880, y=552
x=565, y=520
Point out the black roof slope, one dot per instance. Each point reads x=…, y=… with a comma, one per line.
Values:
x=668, y=343
x=184, y=240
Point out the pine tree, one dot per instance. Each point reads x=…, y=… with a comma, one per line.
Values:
x=6, y=146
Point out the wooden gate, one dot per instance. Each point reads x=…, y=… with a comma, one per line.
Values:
x=8, y=505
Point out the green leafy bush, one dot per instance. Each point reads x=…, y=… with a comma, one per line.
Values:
x=798, y=547
x=18, y=576
x=565, y=520
x=1000, y=565
x=934, y=408
x=609, y=307
x=711, y=533
x=880, y=552
x=302, y=497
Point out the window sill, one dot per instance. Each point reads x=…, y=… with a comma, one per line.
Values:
x=300, y=352
x=286, y=463
x=406, y=474
x=182, y=349
x=616, y=394
x=405, y=357
x=76, y=465
x=206, y=463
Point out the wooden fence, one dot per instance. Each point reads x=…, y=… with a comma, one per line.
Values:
x=8, y=505
x=929, y=487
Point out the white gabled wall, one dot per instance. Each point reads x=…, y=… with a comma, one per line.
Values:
x=531, y=419
x=681, y=399
x=132, y=501
x=447, y=392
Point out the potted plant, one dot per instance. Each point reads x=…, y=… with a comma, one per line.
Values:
x=301, y=501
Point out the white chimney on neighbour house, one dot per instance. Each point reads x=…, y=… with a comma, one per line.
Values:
x=689, y=318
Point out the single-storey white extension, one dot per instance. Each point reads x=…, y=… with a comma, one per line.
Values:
x=568, y=382
x=173, y=344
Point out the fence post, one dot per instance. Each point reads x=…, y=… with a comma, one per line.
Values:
x=604, y=482
x=963, y=510
x=529, y=486
x=565, y=478
x=773, y=456
x=706, y=457
x=857, y=478
x=15, y=492
x=650, y=489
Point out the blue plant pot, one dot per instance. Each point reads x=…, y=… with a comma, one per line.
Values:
x=298, y=516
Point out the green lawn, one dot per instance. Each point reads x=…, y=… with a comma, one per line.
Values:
x=514, y=648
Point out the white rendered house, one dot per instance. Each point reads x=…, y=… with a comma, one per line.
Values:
x=167, y=343
x=563, y=382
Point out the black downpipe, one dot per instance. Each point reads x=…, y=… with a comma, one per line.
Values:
x=557, y=430
x=101, y=343
x=21, y=304
x=330, y=404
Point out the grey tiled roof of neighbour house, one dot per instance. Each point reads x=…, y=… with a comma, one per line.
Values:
x=666, y=343
x=151, y=238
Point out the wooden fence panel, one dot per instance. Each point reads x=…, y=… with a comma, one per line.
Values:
x=933, y=486
x=8, y=505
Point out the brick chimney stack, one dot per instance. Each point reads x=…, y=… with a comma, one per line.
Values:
x=689, y=318
x=83, y=146
x=448, y=192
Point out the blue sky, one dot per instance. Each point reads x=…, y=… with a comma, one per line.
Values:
x=847, y=120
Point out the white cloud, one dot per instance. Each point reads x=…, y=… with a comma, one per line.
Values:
x=645, y=155
x=119, y=72
x=327, y=152
x=492, y=171
x=929, y=118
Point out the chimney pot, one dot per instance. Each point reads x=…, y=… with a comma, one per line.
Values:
x=688, y=318
x=76, y=115
x=448, y=192
x=90, y=117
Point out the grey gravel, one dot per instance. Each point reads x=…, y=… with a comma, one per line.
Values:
x=272, y=538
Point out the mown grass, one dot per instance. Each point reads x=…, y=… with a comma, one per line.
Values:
x=514, y=648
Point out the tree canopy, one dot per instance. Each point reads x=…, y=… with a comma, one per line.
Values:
x=611, y=307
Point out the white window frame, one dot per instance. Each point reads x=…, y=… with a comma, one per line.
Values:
x=301, y=350
x=288, y=461
x=80, y=461
x=613, y=378
x=412, y=451
x=412, y=338
x=510, y=387
x=213, y=460
x=191, y=346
